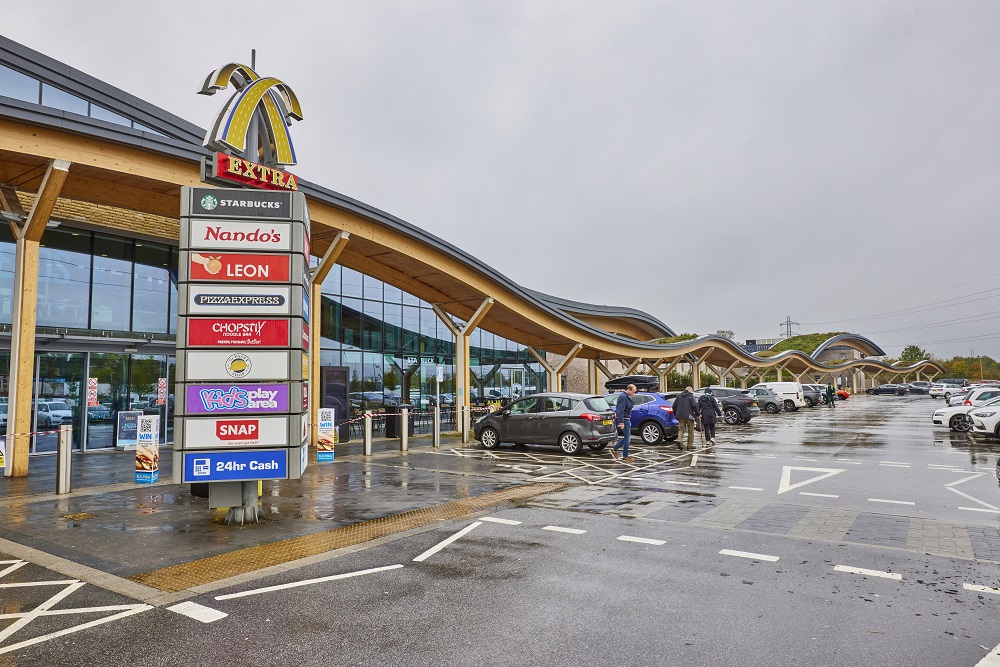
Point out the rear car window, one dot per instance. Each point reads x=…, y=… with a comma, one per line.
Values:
x=639, y=399
x=555, y=404
x=597, y=404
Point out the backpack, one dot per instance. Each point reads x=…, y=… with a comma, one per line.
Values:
x=705, y=402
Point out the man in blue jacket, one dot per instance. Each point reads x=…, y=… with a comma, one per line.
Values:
x=686, y=412
x=623, y=417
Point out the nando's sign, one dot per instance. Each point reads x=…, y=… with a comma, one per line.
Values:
x=250, y=133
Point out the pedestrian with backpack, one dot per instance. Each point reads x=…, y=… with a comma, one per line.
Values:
x=686, y=411
x=708, y=407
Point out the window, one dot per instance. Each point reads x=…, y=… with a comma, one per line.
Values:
x=111, y=307
x=19, y=86
x=555, y=404
x=597, y=404
x=64, y=278
x=101, y=113
x=523, y=406
x=640, y=399
x=7, y=253
x=60, y=99
x=151, y=288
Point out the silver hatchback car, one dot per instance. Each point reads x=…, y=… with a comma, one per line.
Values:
x=566, y=420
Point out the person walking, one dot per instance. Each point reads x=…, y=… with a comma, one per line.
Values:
x=686, y=411
x=623, y=417
x=831, y=396
x=708, y=407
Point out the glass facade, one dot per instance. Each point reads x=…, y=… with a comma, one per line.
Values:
x=95, y=283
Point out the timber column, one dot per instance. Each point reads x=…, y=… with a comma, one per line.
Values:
x=462, y=366
x=22, y=345
x=317, y=276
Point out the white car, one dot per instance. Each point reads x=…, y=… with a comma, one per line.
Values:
x=939, y=389
x=985, y=420
x=53, y=413
x=790, y=393
x=957, y=418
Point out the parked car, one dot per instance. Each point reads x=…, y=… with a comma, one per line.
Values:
x=3, y=419
x=98, y=413
x=789, y=392
x=957, y=397
x=737, y=407
x=641, y=382
x=766, y=399
x=566, y=420
x=961, y=382
x=893, y=389
x=53, y=413
x=812, y=395
x=938, y=389
x=652, y=416
x=986, y=420
x=842, y=394
x=957, y=418
x=919, y=388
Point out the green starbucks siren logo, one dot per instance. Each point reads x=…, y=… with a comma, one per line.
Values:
x=208, y=202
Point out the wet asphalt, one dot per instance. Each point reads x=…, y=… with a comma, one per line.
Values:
x=916, y=505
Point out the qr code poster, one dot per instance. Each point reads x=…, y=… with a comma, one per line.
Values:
x=147, y=451
x=326, y=434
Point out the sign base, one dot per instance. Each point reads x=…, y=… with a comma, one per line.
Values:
x=147, y=477
x=324, y=456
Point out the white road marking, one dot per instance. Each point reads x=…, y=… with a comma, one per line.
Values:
x=802, y=458
x=747, y=554
x=897, y=463
x=818, y=495
x=642, y=540
x=198, y=612
x=296, y=584
x=894, y=465
x=441, y=545
x=507, y=522
x=965, y=479
x=868, y=573
x=766, y=456
x=684, y=483
x=133, y=609
x=981, y=589
x=747, y=488
x=979, y=509
x=694, y=460
x=992, y=659
x=786, y=477
x=560, y=529
x=891, y=502
x=852, y=462
x=975, y=500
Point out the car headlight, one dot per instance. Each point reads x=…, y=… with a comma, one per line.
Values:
x=985, y=414
x=939, y=413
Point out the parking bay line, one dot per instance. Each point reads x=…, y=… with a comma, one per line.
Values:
x=898, y=463
x=891, y=502
x=747, y=488
x=441, y=545
x=747, y=554
x=296, y=584
x=853, y=463
x=198, y=612
x=818, y=495
x=867, y=573
x=642, y=540
x=979, y=509
x=507, y=522
x=895, y=465
x=560, y=529
x=981, y=589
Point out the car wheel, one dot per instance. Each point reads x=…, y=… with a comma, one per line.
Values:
x=597, y=446
x=489, y=438
x=732, y=416
x=772, y=408
x=899, y=393
x=809, y=402
x=960, y=423
x=44, y=421
x=947, y=397
x=871, y=392
x=569, y=442
x=790, y=406
x=651, y=433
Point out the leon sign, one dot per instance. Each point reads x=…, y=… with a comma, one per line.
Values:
x=239, y=267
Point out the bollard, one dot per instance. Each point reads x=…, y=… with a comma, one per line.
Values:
x=437, y=426
x=466, y=413
x=368, y=433
x=404, y=435
x=64, y=459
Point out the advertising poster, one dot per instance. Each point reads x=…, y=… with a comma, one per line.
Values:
x=3, y=451
x=126, y=435
x=326, y=434
x=147, y=452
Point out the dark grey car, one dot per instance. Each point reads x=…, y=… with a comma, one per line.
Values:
x=766, y=399
x=812, y=394
x=566, y=420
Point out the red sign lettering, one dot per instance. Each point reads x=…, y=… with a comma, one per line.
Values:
x=245, y=172
x=242, y=332
x=220, y=266
x=237, y=429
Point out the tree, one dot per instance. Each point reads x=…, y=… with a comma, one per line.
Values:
x=911, y=354
x=725, y=333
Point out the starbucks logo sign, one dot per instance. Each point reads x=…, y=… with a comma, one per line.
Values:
x=208, y=202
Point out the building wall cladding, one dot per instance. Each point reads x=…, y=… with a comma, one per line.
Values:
x=110, y=217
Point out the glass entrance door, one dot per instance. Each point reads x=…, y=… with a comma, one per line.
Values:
x=59, y=398
x=111, y=371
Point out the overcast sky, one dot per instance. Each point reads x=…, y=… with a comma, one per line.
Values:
x=721, y=165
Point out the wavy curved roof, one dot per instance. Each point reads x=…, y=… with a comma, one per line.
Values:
x=860, y=343
x=141, y=171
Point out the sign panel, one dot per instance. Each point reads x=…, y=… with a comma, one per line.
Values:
x=235, y=431
x=249, y=365
x=235, y=398
x=326, y=430
x=92, y=393
x=240, y=235
x=249, y=332
x=241, y=267
x=238, y=299
x=161, y=391
x=234, y=466
x=440, y=374
x=3, y=451
x=238, y=203
x=147, y=453
x=235, y=169
x=127, y=433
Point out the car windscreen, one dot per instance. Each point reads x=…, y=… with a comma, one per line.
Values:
x=597, y=404
x=59, y=406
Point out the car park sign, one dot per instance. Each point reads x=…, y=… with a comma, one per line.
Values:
x=242, y=340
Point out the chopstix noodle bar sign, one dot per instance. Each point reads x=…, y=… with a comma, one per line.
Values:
x=243, y=285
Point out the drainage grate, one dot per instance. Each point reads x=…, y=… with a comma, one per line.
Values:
x=214, y=568
x=79, y=516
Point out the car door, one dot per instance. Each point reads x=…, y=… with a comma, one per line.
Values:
x=553, y=411
x=517, y=423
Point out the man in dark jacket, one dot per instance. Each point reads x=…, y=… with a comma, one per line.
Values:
x=686, y=411
x=710, y=411
x=831, y=396
x=623, y=417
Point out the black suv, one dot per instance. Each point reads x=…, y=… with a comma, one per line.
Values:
x=641, y=382
x=737, y=407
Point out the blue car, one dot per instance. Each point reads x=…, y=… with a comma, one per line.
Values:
x=653, y=418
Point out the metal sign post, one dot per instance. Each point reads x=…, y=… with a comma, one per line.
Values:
x=437, y=406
